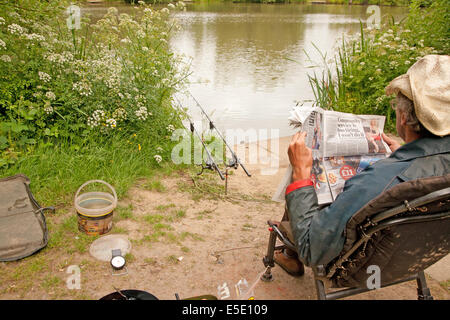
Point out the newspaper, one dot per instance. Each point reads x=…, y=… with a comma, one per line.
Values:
x=343, y=144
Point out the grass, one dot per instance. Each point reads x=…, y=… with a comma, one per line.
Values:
x=57, y=172
x=155, y=185
x=445, y=285
x=51, y=282
x=164, y=207
x=247, y=227
x=153, y=218
x=123, y=213
x=205, y=213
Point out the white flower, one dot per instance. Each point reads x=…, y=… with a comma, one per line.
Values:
x=120, y=114
x=380, y=99
x=2, y=44
x=83, y=88
x=111, y=123
x=44, y=76
x=142, y=113
x=2, y=21
x=48, y=109
x=113, y=11
x=5, y=58
x=15, y=29
x=407, y=62
x=96, y=118
x=144, y=49
x=165, y=11
x=171, y=6
x=125, y=40
x=50, y=95
x=140, y=34
x=35, y=36
x=158, y=158
x=170, y=128
x=362, y=63
x=98, y=115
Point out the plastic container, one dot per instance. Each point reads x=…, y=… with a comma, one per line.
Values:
x=95, y=209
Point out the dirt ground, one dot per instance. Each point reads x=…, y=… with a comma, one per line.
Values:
x=204, y=242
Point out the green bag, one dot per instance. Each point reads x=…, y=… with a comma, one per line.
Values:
x=23, y=230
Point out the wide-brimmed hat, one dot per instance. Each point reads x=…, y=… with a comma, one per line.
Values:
x=427, y=84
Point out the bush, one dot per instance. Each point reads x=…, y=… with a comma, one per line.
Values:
x=111, y=78
x=366, y=63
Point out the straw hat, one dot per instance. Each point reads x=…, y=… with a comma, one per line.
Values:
x=427, y=84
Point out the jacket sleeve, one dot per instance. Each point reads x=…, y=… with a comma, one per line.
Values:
x=302, y=205
x=319, y=234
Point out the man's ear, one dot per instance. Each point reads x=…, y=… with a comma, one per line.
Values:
x=403, y=118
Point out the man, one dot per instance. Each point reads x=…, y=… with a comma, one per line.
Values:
x=422, y=108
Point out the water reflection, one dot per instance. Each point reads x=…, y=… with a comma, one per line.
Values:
x=249, y=62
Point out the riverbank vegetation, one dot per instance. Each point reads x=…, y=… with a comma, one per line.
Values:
x=355, y=78
x=349, y=2
x=87, y=101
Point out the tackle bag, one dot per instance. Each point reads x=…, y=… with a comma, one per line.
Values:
x=23, y=230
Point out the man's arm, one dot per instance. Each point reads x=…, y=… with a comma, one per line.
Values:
x=317, y=233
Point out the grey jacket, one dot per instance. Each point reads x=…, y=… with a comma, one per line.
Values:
x=319, y=234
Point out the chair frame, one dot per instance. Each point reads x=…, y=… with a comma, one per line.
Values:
x=366, y=229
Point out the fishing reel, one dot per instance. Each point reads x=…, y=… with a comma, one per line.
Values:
x=210, y=166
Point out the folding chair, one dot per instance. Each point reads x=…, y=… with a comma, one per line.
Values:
x=402, y=232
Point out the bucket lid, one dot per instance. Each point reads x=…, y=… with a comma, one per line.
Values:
x=102, y=247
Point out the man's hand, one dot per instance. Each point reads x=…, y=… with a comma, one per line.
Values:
x=393, y=145
x=300, y=157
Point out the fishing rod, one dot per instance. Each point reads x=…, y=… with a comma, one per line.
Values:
x=235, y=162
x=210, y=163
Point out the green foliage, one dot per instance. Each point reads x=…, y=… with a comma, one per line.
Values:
x=430, y=25
x=114, y=77
x=371, y=2
x=354, y=81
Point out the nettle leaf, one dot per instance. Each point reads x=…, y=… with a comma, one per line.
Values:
x=18, y=127
x=3, y=142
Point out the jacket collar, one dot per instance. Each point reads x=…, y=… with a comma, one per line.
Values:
x=422, y=147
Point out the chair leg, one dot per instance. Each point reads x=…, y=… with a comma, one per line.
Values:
x=320, y=289
x=423, y=292
x=268, y=261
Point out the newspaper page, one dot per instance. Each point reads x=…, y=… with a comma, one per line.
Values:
x=339, y=169
x=342, y=144
x=348, y=134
